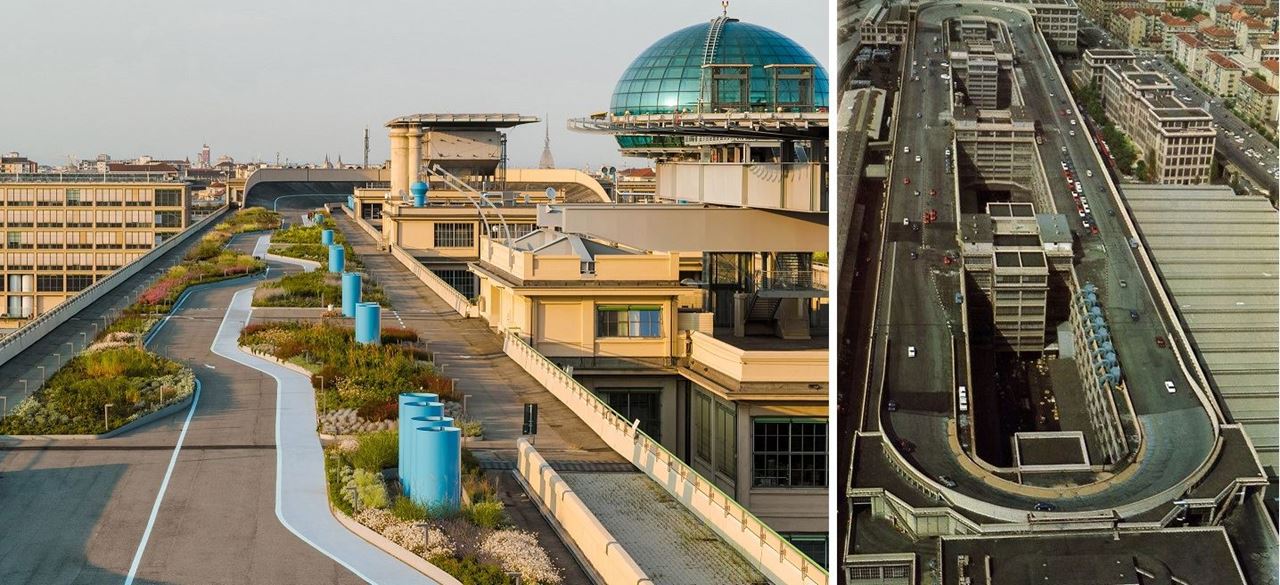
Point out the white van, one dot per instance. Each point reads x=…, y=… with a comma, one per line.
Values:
x=964, y=399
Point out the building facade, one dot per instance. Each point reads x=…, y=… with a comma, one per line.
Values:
x=64, y=232
x=1177, y=141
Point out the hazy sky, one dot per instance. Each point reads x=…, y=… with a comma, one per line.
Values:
x=305, y=77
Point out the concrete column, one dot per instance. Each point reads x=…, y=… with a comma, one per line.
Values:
x=399, y=162
x=414, y=137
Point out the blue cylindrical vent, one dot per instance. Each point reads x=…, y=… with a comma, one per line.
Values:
x=368, y=323
x=419, y=190
x=436, y=473
x=350, y=293
x=326, y=237
x=351, y=202
x=409, y=458
x=337, y=258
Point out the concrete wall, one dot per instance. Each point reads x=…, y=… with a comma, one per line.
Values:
x=437, y=285
x=605, y=554
x=23, y=338
x=768, y=552
x=759, y=366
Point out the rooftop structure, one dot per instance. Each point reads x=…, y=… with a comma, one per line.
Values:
x=1180, y=139
x=1216, y=252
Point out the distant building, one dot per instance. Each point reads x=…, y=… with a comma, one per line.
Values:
x=1188, y=50
x=1179, y=139
x=63, y=232
x=1218, y=38
x=13, y=163
x=1096, y=61
x=1169, y=27
x=1221, y=74
x=1257, y=100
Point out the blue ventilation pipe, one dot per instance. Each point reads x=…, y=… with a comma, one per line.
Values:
x=326, y=237
x=436, y=472
x=337, y=258
x=350, y=293
x=419, y=190
x=368, y=323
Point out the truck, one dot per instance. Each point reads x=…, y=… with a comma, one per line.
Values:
x=1039, y=133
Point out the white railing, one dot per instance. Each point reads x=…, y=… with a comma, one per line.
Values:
x=772, y=555
x=602, y=550
x=28, y=334
x=450, y=295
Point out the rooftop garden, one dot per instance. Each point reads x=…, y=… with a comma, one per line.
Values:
x=109, y=385
x=314, y=289
x=299, y=241
x=115, y=380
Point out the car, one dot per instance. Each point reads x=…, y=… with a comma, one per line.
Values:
x=1093, y=229
x=911, y=351
x=906, y=150
x=917, y=158
x=914, y=255
x=947, y=481
x=906, y=180
x=932, y=193
x=1124, y=283
x=1072, y=132
x=1088, y=172
x=1073, y=121
x=1160, y=342
x=891, y=406
x=1133, y=315
x=1169, y=387
x=946, y=152
x=918, y=115
x=917, y=192
x=906, y=446
x=1045, y=507
x=906, y=221
x=1086, y=223
x=944, y=76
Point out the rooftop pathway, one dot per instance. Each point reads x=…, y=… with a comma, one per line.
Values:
x=472, y=354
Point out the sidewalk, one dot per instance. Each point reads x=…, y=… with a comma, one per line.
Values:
x=472, y=354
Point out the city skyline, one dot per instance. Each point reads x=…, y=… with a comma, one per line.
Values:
x=192, y=99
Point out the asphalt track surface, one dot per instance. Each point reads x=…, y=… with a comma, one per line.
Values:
x=76, y=511
x=915, y=305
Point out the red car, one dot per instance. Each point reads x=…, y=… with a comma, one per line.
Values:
x=933, y=192
x=1160, y=342
x=906, y=180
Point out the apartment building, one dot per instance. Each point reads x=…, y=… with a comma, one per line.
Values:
x=63, y=232
x=1177, y=140
x=1217, y=38
x=1221, y=74
x=1188, y=51
x=1169, y=27
x=14, y=163
x=1257, y=100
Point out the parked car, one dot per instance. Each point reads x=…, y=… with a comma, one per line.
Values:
x=911, y=351
x=1045, y=507
x=1133, y=316
x=891, y=406
x=1168, y=386
x=1160, y=342
x=947, y=481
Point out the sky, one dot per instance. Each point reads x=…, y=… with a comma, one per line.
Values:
x=304, y=78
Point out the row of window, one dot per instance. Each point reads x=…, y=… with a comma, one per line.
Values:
x=130, y=197
x=48, y=283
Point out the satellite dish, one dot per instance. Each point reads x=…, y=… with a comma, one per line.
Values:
x=551, y=195
x=604, y=170
x=613, y=170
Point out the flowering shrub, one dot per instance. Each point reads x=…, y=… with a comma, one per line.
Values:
x=517, y=550
x=314, y=289
x=135, y=382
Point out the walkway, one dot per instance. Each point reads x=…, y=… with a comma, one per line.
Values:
x=301, y=492
x=472, y=354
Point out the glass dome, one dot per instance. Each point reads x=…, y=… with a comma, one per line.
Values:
x=667, y=76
